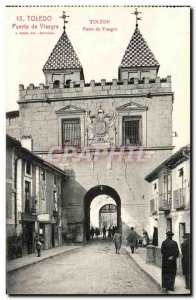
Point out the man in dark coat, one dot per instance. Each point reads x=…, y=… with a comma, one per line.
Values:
x=185, y=249
x=170, y=252
x=155, y=237
x=132, y=240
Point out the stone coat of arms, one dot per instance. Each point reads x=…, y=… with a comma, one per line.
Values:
x=98, y=126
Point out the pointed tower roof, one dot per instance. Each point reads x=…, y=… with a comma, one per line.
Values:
x=63, y=56
x=138, y=54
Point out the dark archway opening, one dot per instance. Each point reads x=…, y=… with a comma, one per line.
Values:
x=88, y=198
x=56, y=84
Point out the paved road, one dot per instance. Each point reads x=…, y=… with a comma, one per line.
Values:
x=92, y=269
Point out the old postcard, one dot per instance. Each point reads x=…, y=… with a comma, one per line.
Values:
x=98, y=150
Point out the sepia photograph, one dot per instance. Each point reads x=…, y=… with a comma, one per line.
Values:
x=98, y=154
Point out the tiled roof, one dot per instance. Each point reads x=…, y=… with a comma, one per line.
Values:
x=25, y=153
x=138, y=54
x=174, y=160
x=63, y=56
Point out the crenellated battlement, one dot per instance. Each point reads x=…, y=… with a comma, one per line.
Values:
x=80, y=88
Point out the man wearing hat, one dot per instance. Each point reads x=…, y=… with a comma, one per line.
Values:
x=185, y=249
x=170, y=252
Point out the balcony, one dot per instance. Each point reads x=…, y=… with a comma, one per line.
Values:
x=179, y=198
x=153, y=206
x=55, y=213
x=30, y=206
x=165, y=202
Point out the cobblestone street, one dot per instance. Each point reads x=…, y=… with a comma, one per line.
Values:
x=92, y=269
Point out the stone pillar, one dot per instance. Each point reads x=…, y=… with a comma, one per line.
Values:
x=81, y=83
x=103, y=81
x=168, y=79
x=92, y=83
x=150, y=254
x=71, y=84
x=51, y=85
x=136, y=80
x=41, y=86
x=21, y=87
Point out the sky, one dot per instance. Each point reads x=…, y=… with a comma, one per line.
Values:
x=166, y=30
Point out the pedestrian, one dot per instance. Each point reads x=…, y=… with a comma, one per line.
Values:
x=104, y=232
x=96, y=232
x=38, y=244
x=185, y=249
x=92, y=232
x=132, y=240
x=170, y=252
x=145, y=241
x=155, y=237
x=118, y=241
x=109, y=232
x=113, y=231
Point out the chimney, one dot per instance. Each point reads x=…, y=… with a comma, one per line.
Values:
x=27, y=142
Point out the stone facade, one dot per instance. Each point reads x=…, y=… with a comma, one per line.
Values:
x=170, y=209
x=33, y=200
x=102, y=159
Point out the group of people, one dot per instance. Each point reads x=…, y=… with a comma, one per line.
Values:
x=170, y=253
x=96, y=232
x=111, y=232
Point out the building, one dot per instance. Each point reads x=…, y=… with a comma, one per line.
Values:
x=106, y=135
x=33, y=199
x=170, y=197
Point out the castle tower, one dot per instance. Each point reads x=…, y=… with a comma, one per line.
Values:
x=63, y=64
x=138, y=60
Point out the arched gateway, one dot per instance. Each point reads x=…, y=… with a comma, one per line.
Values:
x=88, y=198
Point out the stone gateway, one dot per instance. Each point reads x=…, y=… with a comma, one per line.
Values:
x=109, y=120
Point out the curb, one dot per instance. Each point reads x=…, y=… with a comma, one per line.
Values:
x=43, y=258
x=150, y=276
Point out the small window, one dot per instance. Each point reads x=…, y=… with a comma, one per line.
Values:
x=43, y=175
x=182, y=231
x=68, y=81
x=55, y=179
x=54, y=196
x=56, y=84
x=71, y=132
x=27, y=196
x=155, y=186
x=28, y=168
x=132, y=130
x=181, y=172
x=169, y=224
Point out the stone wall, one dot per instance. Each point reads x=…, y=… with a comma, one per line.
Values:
x=13, y=127
x=126, y=178
x=42, y=110
x=39, y=110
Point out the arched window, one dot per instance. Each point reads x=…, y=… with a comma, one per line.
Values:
x=56, y=84
x=68, y=81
